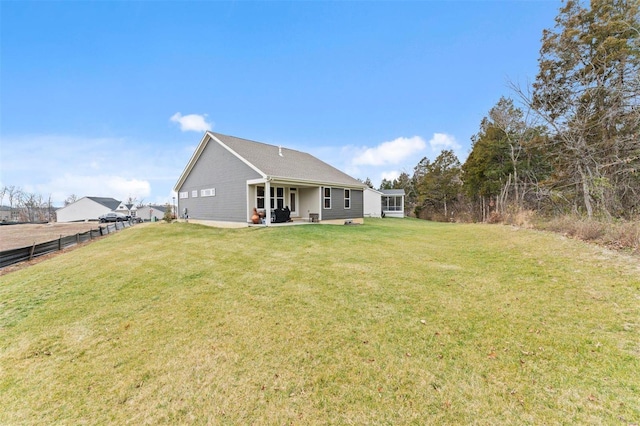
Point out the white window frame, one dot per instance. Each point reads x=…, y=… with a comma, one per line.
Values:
x=347, y=199
x=392, y=203
x=208, y=192
x=183, y=195
x=260, y=197
x=194, y=193
x=293, y=201
x=326, y=198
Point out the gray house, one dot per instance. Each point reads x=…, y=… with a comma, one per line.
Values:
x=227, y=177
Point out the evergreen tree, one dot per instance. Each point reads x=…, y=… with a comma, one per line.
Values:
x=368, y=182
x=386, y=184
x=588, y=92
x=438, y=183
x=504, y=165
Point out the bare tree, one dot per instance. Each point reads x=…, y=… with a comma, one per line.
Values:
x=70, y=199
x=14, y=195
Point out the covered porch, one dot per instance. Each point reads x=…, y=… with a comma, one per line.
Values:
x=302, y=201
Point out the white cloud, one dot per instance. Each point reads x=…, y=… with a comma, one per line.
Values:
x=389, y=175
x=58, y=166
x=391, y=152
x=443, y=141
x=114, y=186
x=191, y=122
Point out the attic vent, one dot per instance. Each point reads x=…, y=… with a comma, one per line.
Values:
x=280, y=151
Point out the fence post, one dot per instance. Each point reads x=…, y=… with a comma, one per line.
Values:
x=60, y=243
x=78, y=238
x=33, y=248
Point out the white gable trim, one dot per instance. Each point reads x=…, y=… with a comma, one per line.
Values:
x=200, y=149
x=244, y=160
x=192, y=161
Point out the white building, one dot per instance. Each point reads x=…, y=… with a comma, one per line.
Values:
x=86, y=208
x=393, y=202
x=372, y=203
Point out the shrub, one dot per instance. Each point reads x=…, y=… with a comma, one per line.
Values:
x=625, y=235
x=590, y=230
x=168, y=213
x=495, y=217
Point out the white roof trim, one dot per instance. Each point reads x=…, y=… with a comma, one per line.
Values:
x=244, y=160
x=198, y=152
x=210, y=136
x=373, y=190
x=192, y=162
x=285, y=180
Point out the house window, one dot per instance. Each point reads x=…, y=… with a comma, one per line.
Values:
x=280, y=198
x=194, y=193
x=209, y=192
x=277, y=197
x=184, y=195
x=347, y=198
x=392, y=203
x=292, y=199
x=327, y=198
x=260, y=197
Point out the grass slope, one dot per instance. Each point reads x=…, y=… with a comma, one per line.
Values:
x=391, y=322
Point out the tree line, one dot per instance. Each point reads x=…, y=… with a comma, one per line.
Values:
x=25, y=206
x=570, y=146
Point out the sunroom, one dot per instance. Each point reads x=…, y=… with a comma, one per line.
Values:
x=392, y=202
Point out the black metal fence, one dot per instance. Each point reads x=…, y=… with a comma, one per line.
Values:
x=10, y=257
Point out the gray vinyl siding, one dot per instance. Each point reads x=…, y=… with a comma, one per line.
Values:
x=217, y=168
x=337, y=210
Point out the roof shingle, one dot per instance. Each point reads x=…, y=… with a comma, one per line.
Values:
x=284, y=163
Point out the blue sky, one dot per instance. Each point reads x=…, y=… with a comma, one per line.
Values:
x=111, y=98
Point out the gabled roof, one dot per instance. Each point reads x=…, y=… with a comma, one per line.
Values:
x=274, y=162
x=392, y=191
x=110, y=203
x=155, y=207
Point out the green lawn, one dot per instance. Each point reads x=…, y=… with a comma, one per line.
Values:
x=391, y=322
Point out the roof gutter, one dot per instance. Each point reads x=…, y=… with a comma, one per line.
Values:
x=314, y=182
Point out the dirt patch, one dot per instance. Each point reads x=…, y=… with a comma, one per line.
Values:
x=17, y=236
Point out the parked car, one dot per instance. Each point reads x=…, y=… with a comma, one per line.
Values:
x=112, y=217
x=136, y=219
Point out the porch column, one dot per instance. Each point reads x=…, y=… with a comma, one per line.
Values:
x=267, y=202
